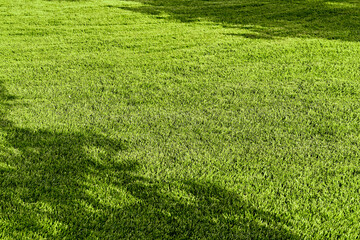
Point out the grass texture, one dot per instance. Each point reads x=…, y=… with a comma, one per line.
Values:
x=183, y=119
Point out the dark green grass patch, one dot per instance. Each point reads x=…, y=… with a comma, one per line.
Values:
x=179, y=120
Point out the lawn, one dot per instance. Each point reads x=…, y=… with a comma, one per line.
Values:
x=180, y=119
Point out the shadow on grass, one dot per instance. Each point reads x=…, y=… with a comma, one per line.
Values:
x=72, y=185
x=332, y=19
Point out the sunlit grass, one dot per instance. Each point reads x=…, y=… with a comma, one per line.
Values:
x=179, y=119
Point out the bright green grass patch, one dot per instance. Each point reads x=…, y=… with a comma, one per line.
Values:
x=179, y=119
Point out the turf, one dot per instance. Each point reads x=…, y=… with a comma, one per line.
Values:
x=184, y=119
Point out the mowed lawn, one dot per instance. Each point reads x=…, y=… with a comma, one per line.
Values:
x=184, y=119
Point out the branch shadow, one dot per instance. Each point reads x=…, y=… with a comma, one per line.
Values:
x=332, y=19
x=73, y=185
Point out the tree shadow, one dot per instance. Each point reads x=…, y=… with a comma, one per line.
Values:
x=57, y=184
x=198, y=210
x=332, y=19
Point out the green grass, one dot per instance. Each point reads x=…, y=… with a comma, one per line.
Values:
x=160, y=119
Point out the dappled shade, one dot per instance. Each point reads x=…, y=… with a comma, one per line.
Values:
x=267, y=19
x=54, y=186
